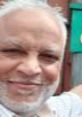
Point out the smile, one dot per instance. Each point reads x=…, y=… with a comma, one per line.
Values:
x=23, y=85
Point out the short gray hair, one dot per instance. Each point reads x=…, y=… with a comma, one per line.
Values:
x=12, y=5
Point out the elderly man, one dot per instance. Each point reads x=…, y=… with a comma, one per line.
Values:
x=32, y=42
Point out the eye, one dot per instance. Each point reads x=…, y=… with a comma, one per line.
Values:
x=48, y=58
x=11, y=52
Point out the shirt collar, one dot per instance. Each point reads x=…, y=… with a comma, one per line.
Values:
x=4, y=112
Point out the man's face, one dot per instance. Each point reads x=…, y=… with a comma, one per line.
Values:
x=30, y=59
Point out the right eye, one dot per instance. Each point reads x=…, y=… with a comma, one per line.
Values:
x=11, y=52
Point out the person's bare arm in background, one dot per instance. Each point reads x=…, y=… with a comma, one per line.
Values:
x=77, y=90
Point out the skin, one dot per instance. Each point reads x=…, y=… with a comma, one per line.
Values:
x=31, y=49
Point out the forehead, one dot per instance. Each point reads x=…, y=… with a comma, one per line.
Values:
x=37, y=21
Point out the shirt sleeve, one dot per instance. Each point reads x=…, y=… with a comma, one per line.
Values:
x=66, y=105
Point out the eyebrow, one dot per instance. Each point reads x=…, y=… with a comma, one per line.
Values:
x=10, y=42
x=52, y=50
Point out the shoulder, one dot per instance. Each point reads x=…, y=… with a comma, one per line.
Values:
x=66, y=104
x=77, y=90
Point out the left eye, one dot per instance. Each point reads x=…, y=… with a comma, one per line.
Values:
x=48, y=58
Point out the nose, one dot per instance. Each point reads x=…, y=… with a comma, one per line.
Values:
x=29, y=67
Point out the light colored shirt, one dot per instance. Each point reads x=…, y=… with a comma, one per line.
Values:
x=65, y=105
x=4, y=112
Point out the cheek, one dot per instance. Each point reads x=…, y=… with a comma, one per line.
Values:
x=6, y=65
x=52, y=73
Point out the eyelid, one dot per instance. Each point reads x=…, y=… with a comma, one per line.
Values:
x=49, y=55
x=10, y=50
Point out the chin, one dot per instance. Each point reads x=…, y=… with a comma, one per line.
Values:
x=25, y=106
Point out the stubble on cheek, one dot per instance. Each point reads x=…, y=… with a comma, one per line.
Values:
x=24, y=95
x=52, y=74
x=20, y=95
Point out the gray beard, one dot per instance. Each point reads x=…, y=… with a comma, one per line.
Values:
x=25, y=108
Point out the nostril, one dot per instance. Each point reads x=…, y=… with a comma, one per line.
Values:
x=29, y=70
x=29, y=65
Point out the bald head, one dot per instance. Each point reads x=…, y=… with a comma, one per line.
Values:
x=39, y=6
x=34, y=20
x=39, y=16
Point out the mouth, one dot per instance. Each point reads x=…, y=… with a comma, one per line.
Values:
x=24, y=85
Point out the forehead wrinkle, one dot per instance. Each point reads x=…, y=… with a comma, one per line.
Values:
x=37, y=32
x=49, y=36
x=41, y=34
